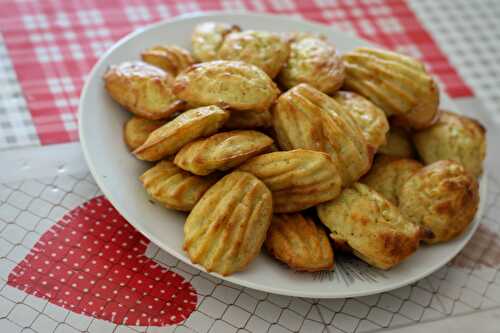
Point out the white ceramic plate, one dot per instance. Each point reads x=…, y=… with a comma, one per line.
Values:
x=117, y=171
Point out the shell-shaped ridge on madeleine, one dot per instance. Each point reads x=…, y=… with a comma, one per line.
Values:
x=175, y=188
x=394, y=82
x=298, y=242
x=299, y=179
x=186, y=127
x=221, y=151
x=370, y=118
x=136, y=130
x=226, y=229
x=170, y=58
x=304, y=117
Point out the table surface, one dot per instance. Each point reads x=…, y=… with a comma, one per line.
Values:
x=47, y=47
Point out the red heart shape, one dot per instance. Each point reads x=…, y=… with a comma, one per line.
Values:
x=92, y=262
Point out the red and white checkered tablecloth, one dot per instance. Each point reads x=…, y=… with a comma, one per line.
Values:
x=54, y=44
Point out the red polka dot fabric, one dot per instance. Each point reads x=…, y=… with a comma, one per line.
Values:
x=92, y=262
x=54, y=44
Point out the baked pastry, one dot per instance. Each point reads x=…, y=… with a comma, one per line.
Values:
x=388, y=175
x=226, y=229
x=249, y=120
x=371, y=226
x=398, y=143
x=298, y=179
x=170, y=58
x=137, y=130
x=442, y=197
x=175, y=188
x=453, y=137
x=367, y=115
x=313, y=60
x=396, y=83
x=221, y=151
x=207, y=38
x=186, y=127
x=142, y=89
x=229, y=84
x=298, y=242
x=266, y=50
x=304, y=117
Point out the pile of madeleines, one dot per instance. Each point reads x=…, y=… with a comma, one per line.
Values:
x=276, y=140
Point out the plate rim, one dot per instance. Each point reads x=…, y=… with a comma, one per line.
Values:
x=234, y=279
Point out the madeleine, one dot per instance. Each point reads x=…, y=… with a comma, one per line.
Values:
x=226, y=229
x=143, y=89
x=453, y=137
x=207, y=39
x=229, y=84
x=186, y=127
x=304, y=117
x=221, y=151
x=170, y=58
x=442, y=197
x=298, y=242
x=266, y=50
x=175, y=188
x=298, y=179
x=368, y=116
x=375, y=230
x=314, y=61
x=398, y=84
x=136, y=130
x=388, y=175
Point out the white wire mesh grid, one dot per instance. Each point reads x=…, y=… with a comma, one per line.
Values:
x=29, y=208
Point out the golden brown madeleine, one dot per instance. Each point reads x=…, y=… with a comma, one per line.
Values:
x=304, y=117
x=170, y=58
x=207, y=38
x=396, y=83
x=388, y=175
x=298, y=242
x=221, y=151
x=136, y=130
x=453, y=137
x=186, y=127
x=226, y=229
x=298, y=179
x=314, y=61
x=266, y=50
x=372, y=226
x=143, y=89
x=442, y=197
x=174, y=187
x=398, y=143
x=367, y=115
x=233, y=84
x=249, y=120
